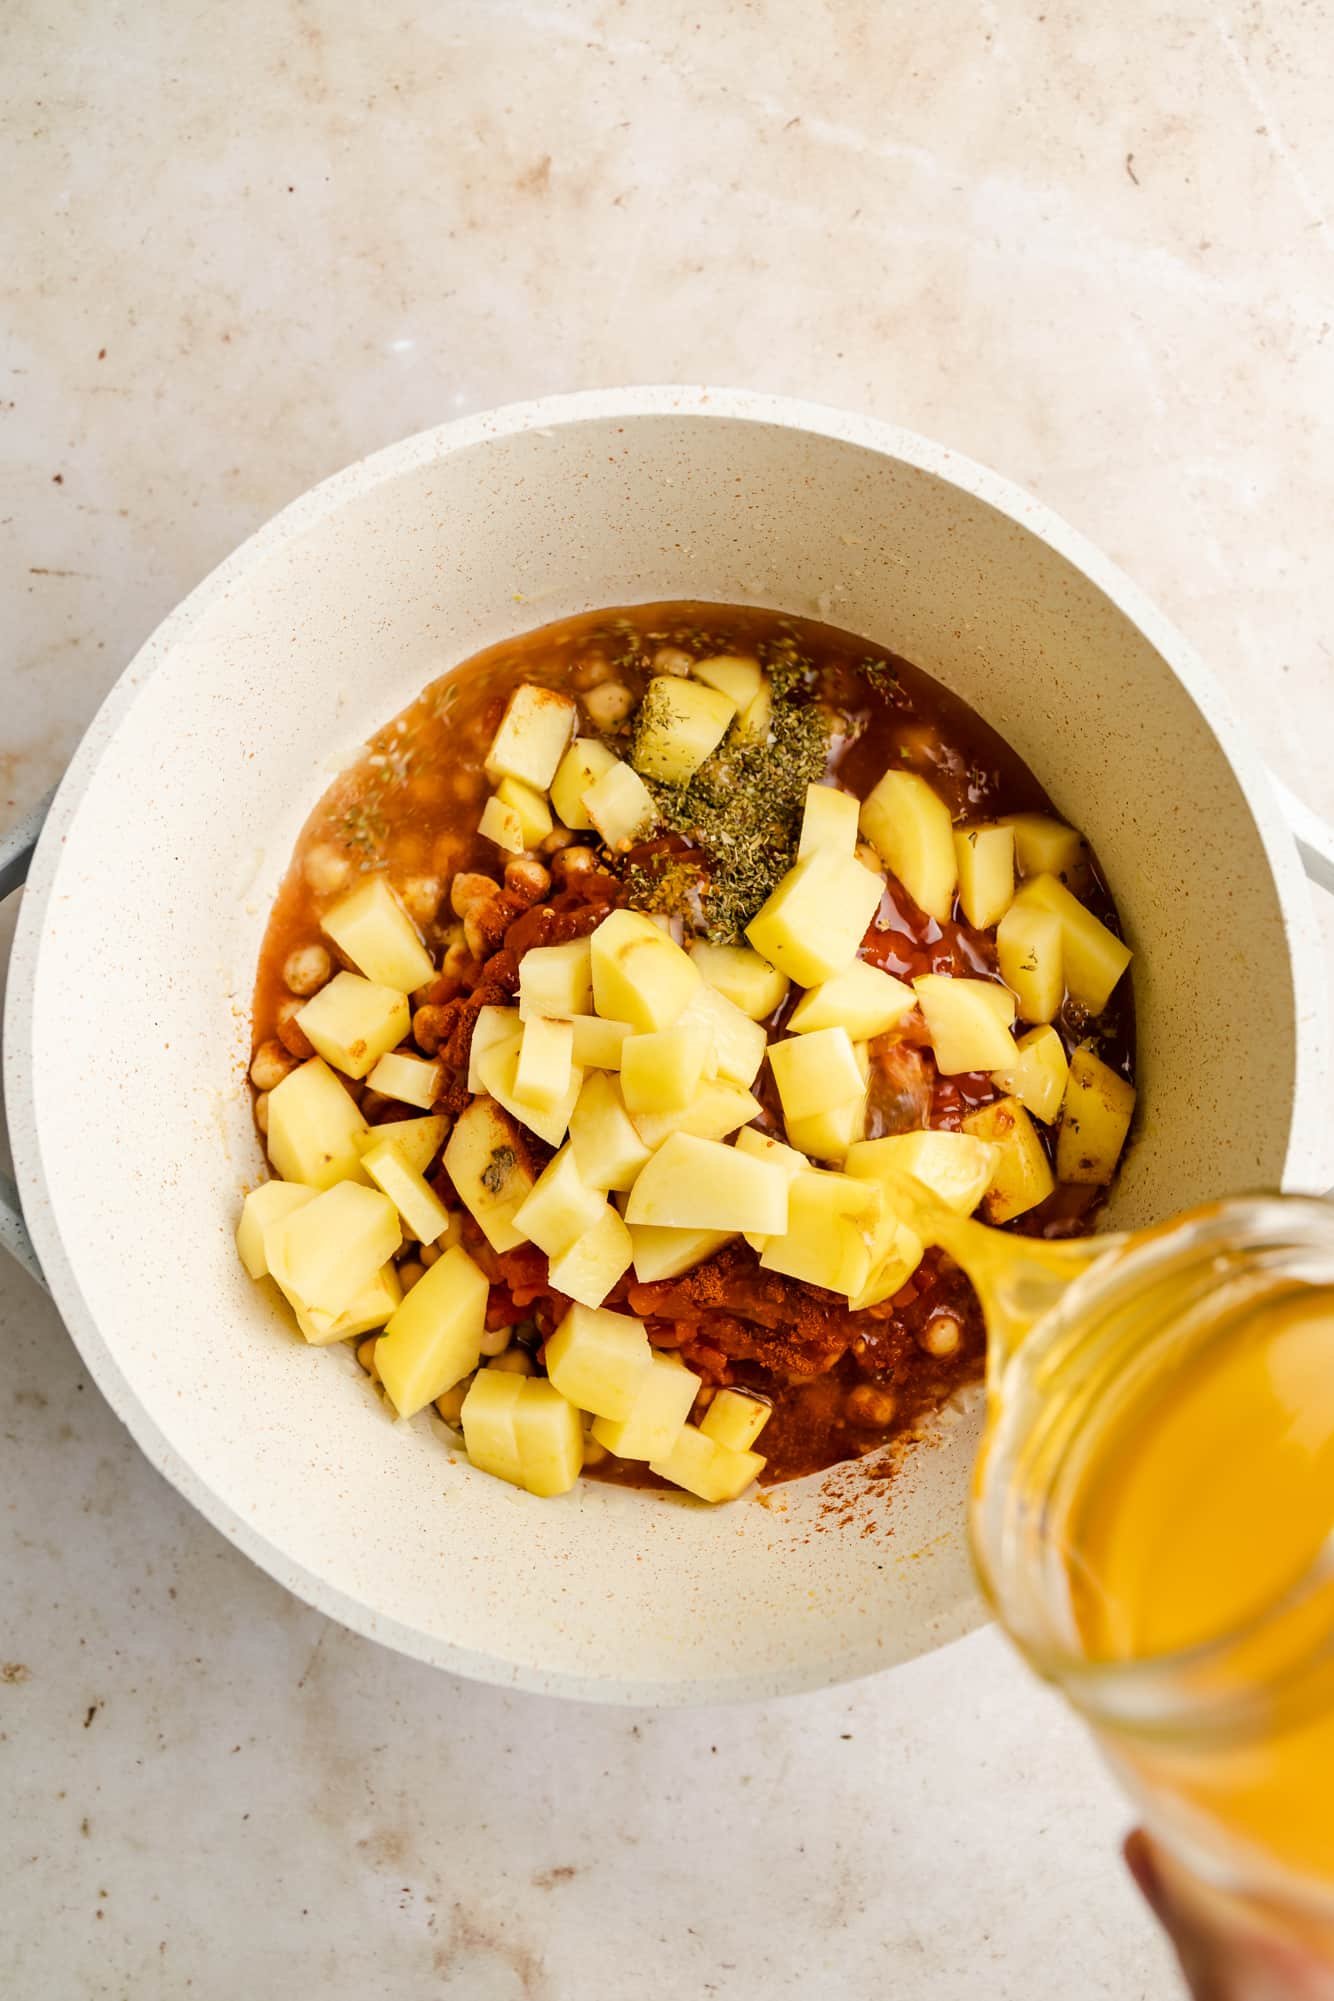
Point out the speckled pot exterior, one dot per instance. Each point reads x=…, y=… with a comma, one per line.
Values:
x=127, y=1019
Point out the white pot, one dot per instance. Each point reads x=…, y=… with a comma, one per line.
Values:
x=127, y=1018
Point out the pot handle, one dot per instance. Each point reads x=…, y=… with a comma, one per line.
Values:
x=1315, y=840
x=16, y=852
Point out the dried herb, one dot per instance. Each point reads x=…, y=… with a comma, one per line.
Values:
x=880, y=673
x=498, y=1169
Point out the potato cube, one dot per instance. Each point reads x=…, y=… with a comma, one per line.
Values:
x=272, y=1202
x=1028, y=947
x=710, y=1471
x=832, y=1222
x=1094, y=957
x=985, y=858
x=829, y=820
x=760, y=1147
x=410, y=1079
x=534, y=734
x=735, y=675
x=736, y=1418
x=662, y=1071
x=484, y=1160
x=535, y=821
x=716, y=1110
x=499, y=1069
x=372, y=1306
x=663, y=1401
x=737, y=1043
x=422, y=1212
x=827, y=1134
x=896, y=1252
x=501, y=824
x=435, y=1337
x=489, y=1423
x=549, y=1433
x=599, y=1360
x=590, y=1268
x=816, y=1072
x=955, y=1166
x=1038, y=1078
x=555, y=980
x=1021, y=1176
x=639, y=975
x=1043, y=846
x=560, y=1207
x=861, y=999
x=597, y=1043
x=583, y=763
x=418, y=1141
x=663, y=1253
x=329, y=1250
x=754, y=722
x=962, y=1020
x=546, y=1062
x=621, y=807
x=908, y=824
x=816, y=917
x=607, y=1149
x=680, y=724
x=699, y=1184
x=492, y=1026
x=371, y=926
x=353, y=1022
x=1095, y=1119
x=742, y=977
x=314, y=1127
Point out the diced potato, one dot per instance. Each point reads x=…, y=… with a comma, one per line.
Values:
x=716, y=1110
x=597, y=1043
x=955, y=1166
x=861, y=999
x=590, y=1268
x=753, y=724
x=1094, y=957
x=1021, y=1177
x=583, y=763
x=908, y=824
x=742, y=977
x=555, y=980
x=484, y=1160
x=829, y=820
x=620, y=806
x=599, y=1360
x=963, y=1022
x=985, y=858
x=417, y=1203
x=831, y=1227
x=492, y=1026
x=418, y=1141
x=498, y=1068
x=272, y=1202
x=373, y=1305
x=435, y=1337
x=1043, y=846
x=896, y=1252
x=663, y=1402
x=1028, y=946
x=737, y=1044
x=501, y=824
x=736, y=1418
x=710, y=1471
x=1095, y=1119
x=546, y=1062
x=314, y=1127
x=535, y=821
x=353, y=1022
x=1038, y=1078
x=680, y=724
x=560, y=1207
x=662, y=1071
x=327, y=1251
x=639, y=975
x=489, y=1423
x=607, y=1149
x=534, y=734
x=549, y=1433
x=699, y=1184
x=735, y=675
x=664, y=1253
x=816, y=917
x=371, y=926
x=760, y=1147
x=816, y=1072
x=828, y=1134
x=410, y=1079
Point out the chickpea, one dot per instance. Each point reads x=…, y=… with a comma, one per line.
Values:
x=327, y=868
x=366, y=1356
x=269, y=1065
x=467, y=786
x=485, y=925
x=469, y=887
x=496, y=1340
x=290, y=1032
x=306, y=970
x=871, y=1406
x=608, y=705
x=430, y=1254
x=409, y=850
x=262, y=1111
x=590, y=671
x=941, y=1334
x=429, y=1025
x=527, y=879
x=450, y=1405
x=516, y=1362
x=558, y=838
x=672, y=660
x=409, y=1272
x=572, y=862
x=594, y=1451
x=457, y=956
x=447, y=853
x=422, y=894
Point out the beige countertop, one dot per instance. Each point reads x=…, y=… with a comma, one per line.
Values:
x=249, y=244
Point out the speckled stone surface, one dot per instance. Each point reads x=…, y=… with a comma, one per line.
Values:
x=254, y=244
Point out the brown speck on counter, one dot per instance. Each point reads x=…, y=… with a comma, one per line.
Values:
x=547, y=1879
x=14, y=1671
x=91, y=1712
